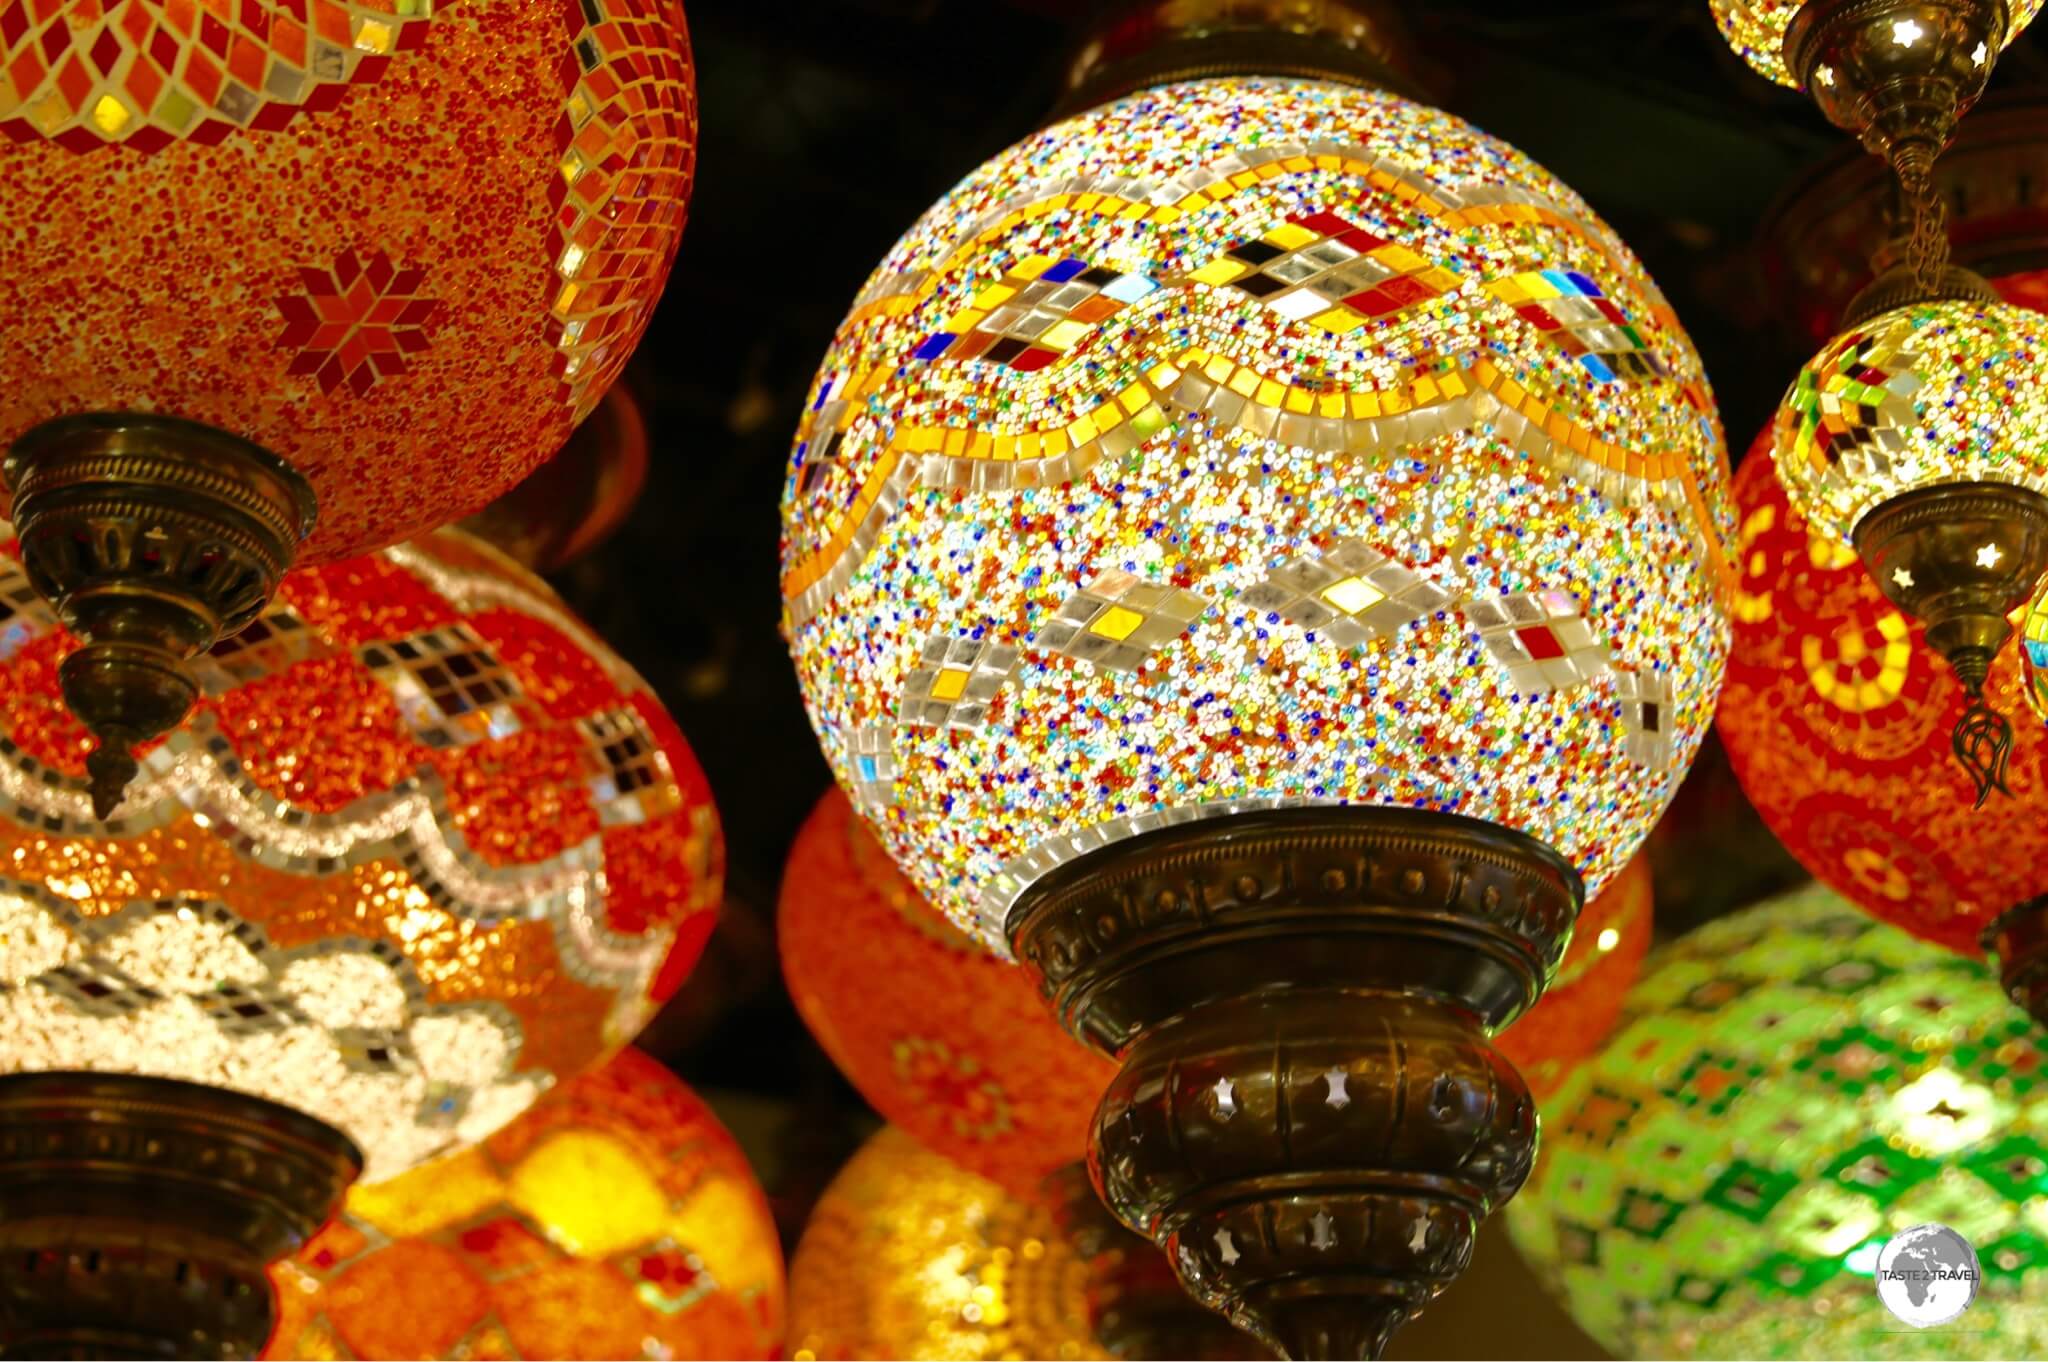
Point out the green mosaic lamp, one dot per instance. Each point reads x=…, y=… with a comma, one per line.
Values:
x=1790, y=1087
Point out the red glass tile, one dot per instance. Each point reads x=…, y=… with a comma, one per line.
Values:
x=56, y=41
x=1327, y=223
x=14, y=26
x=1540, y=642
x=213, y=35
x=74, y=83
x=1372, y=302
x=1032, y=359
x=245, y=62
x=1407, y=290
x=201, y=76
x=1537, y=317
x=143, y=84
x=28, y=70
x=1360, y=240
x=163, y=49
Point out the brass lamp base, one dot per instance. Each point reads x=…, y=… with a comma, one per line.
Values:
x=2018, y=939
x=153, y=538
x=1962, y=557
x=1309, y=1118
x=1897, y=73
x=1135, y=1303
x=138, y=1215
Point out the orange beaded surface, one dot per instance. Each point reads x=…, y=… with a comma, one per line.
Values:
x=616, y=1219
x=1836, y=718
x=405, y=251
x=1580, y=1007
x=424, y=847
x=945, y=1040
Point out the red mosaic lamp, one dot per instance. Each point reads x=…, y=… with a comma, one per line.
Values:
x=615, y=1219
x=1836, y=719
x=425, y=848
x=296, y=279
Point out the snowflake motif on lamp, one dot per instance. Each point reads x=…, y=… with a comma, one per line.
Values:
x=1228, y=475
x=426, y=848
x=615, y=1219
x=281, y=377
x=1836, y=718
x=1788, y=1088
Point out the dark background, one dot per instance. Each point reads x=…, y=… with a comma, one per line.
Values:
x=827, y=127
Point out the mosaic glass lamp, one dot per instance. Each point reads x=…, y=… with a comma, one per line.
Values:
x=425, y=847
x=614, y=1219
x=1919, y=438
x=1912, y=434
x=1835, y=718
x=1790, y=1087
x=579, y=497
x=909, y=1256
x=966, y=1061
x=1253, y=552
x=370, y=264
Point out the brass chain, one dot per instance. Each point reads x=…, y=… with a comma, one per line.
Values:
x=1927, y=246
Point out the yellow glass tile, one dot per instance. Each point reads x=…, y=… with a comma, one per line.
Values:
x=1299, y=402
x=1221, y=270
x=924, y=440
x=1166, y=217
x=1394, y=401
x=1244, y=383
x=1338, y=321
x=174, y=110
x=1382, y=180
x=1453, y=384
x=1148, y=422
x=1536, y=286
x=1353, y=594
x=1581, y=439
x=1081, y=430
x=1893, y=628
x=1429, y=205
x=566, y=299
x=1219, y=369
x=1062, y=335
x=1329, y=162
x=1270, y=394
x=1244, y=179
x=949, y=684
x=109, y=115
x=1297, y=164
x=1365, y=405
x=1290, y=236
x=1399, y=258
x=1132, y=211
x=956, y=442
x=963, y=321
x=1057, y=442
x=1164, y=376
x=1107, y=417
x=1508, y=291
x=1004, y=447
x=1330, y=404
x=1440, y=279
x=1194, y=202
x=373, y=35
x=1424, y=389
x=595, y=1195
x=1134, y=398
x=1118, y=622
x=993, y=296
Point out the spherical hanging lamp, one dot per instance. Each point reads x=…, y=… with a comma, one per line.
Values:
x=910, y=1256
x=1789, y=1088
x=616, y=1218
x=1253, y=552
x=292, y=282
x=1836, y=718
x=961, y=1056
x=1911, y=435
x=425, y=847
x=1579, y=1008
x=967, y=1062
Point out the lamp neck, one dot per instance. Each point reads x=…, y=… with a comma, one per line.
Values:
x=1156, y=42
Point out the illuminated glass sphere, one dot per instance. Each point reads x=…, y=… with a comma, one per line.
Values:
x=616, y=1219
x=424, y=847
x=1247, y=443
x=1756, y=30
x=1790, y=1087
x=909, y=1256
x=403, y=246
x=1836, y=719
x=1580, y=1007
x=1925, y=394
x=942, y=1038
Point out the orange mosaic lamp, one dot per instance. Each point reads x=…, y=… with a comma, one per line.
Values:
x=1573, y=1018
x=959, y=1052
x=577, y=499
x=297, y=279
x=615, y=1219
x=910, y=1256
x=425, y=847
x=1836, y=718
